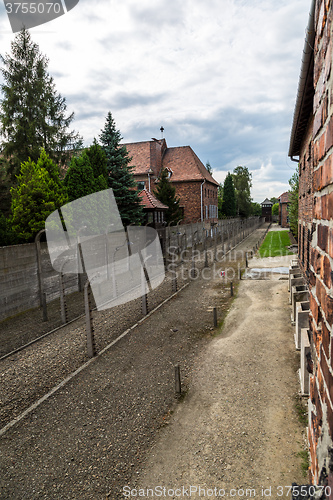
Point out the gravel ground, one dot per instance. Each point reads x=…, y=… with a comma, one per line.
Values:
x=237, y=429
x=92, y=436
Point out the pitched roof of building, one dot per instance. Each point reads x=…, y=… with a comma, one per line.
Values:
x=284, y=198
x=182, y=162
x=148, y=200
x=140, y=151
x=185, y=165
x=267, y=202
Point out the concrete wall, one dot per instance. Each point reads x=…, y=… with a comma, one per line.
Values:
x=19, y=288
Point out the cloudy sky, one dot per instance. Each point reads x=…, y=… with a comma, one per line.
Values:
x=218, y=75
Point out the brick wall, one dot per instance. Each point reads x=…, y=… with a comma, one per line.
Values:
x=283, y=215
x=190, y=197
x=316, y=247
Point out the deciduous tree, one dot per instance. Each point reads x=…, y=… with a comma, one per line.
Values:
x=292, y=207
x=243, y=182
x=38, y=193
x=229, y=199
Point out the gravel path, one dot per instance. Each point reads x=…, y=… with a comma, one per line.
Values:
x=237, y=430
x=93, y=435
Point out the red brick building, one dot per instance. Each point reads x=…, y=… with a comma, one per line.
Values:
x=283, y=209
x=312, y=144
x=194, y=185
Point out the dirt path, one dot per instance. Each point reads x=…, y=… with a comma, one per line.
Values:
x=237, y=429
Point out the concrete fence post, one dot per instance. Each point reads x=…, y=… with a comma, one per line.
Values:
x=39, y=266
x=178, y=387
x=144, y=297
x=63, y=305
x=215, y=317
x=91, y=348
x=45, y=318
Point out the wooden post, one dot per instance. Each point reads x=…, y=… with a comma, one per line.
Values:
x=231, y=289
x=215, y=316
x=178, y=387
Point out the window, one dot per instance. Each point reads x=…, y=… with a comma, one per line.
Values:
x=141, y=185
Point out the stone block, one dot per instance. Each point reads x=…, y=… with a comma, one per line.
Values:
x=299, y=293
x=302, y=321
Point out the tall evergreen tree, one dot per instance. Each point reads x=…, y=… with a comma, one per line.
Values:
x=120, y=175
x=32, y=113
x=229, y=198
x=80, y=179
x=243, y=182
x=37, y=194
x=166, y=193
x=97, y=159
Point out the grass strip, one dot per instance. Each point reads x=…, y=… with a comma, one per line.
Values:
x=275, y=244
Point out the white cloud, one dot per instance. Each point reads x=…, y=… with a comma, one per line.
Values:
x=219, y=75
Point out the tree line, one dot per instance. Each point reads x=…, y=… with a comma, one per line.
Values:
x=234, y=196
x=43, y=164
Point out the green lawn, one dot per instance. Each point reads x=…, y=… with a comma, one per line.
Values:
x=275, y=244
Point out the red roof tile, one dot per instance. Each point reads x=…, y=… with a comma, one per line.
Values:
x=185, y=165
x=140, y=151
x=149, y=200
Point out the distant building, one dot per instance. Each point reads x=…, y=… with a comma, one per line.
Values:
x=283, y=209
x=194, y=185
x=266, y=210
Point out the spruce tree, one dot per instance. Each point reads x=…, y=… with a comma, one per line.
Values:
x=32, y=113
x=80, y=180
x=229, y=199
x=98, y=161
x=120, y=175
x=37, y=194
x=166, y=193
